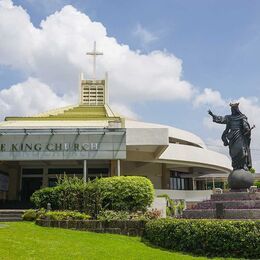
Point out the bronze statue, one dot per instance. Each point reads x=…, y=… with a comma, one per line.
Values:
x=237, y=136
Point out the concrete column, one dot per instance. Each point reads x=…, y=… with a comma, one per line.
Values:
x=45, y=179
x=14, y=184
x=85, y=171
x=193, y=184
x=118, y=168
x=112, y=168
x=213, y=182
x=165, y=177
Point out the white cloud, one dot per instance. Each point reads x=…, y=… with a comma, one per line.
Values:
x=145, y=36
x=55, y=54
x=30, y=97
x=209, y=97
x=123, y=110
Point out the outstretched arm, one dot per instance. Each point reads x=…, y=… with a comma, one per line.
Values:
x=218, y=119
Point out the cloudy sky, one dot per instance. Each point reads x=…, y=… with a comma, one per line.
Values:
x=168, y=61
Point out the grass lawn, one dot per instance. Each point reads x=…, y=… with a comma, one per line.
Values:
x=25, y=240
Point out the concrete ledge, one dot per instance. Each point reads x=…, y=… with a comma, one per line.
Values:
x=128, y=227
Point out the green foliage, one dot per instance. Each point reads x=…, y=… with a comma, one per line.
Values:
x=174, y=207
x=206, y=237
x=108, y=215
x=32, y=214
x=252, y=170
x=42, y=197
x=129, y=193
x=25, y=240
x=257, y=184
x=65, y=215
x=115, y=193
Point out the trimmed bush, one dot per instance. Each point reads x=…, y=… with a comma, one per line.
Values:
x=42, y=197
x=128, y=193
x=206, y=237
x=64, y=215
x=32, y=214
x=109, y=215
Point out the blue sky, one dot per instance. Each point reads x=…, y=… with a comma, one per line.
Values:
x=218, y=42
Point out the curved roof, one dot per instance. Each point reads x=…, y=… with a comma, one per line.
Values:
x=177, y=134
x=176, y=146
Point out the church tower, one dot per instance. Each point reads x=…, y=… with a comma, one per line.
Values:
x=93, y=92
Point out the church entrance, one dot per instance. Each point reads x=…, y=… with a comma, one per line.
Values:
x=29, y=186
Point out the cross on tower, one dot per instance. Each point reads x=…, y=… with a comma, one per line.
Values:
x=94, y=53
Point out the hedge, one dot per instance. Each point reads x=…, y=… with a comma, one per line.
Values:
x=130, y=193
x=223, y=238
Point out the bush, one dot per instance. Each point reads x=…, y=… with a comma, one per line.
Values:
x=115, y=193
x=42, y=197
x=65, y=215
x=206, y=237
x=32, y=214
x=174, y=207
x=70, y=194
x=127, y=193
x=257, y=184
x=109, y=215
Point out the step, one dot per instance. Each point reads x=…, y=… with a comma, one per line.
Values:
x=236, y=196
x=10, y=215
x=11, y=219
x=228, y=214
x=229, y=204
x=8, y=211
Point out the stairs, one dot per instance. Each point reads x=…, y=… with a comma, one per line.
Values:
x=230, y=205
x=8, y=215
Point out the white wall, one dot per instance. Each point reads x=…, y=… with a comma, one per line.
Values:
x=153, y=171
x=187, y=195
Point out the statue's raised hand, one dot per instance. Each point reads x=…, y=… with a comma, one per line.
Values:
x=210, y=113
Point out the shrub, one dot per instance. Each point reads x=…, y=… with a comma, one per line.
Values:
x=42, y=197
x=127, y=193
x=65, y=215
x=174, y=207
x=257, y=184
x=109, y=215
x=70, y=194
x=206, y=237
x=32, y=214
x=152, y=214
x=115, y=193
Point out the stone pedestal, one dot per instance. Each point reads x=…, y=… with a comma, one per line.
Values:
x=230, y=205
x=240, y=179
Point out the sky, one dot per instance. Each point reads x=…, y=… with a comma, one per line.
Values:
x=168, y=61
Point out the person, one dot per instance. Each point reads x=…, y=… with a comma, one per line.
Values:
x=237, y=136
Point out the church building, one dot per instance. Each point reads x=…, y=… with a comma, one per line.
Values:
x=90, y=140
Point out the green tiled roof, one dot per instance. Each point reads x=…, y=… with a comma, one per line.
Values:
x=80, y=112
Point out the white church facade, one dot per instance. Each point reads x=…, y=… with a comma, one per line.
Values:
x=91, y=140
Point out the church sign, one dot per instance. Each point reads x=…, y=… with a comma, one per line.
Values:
x=63, y=146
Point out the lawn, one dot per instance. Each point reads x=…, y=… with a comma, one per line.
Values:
x=24, y=240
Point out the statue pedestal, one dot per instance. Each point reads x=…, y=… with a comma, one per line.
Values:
x=240, y=180
x=230, y=205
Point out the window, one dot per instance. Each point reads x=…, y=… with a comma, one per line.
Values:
x=178, y=182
